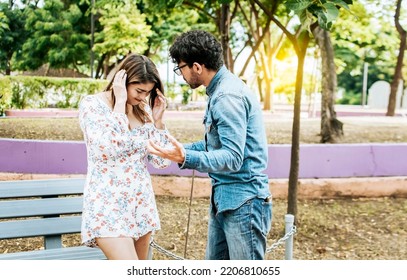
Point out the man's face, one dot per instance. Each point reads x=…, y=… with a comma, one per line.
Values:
x=190, y=75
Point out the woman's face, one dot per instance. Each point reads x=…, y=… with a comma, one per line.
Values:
x=137, y=93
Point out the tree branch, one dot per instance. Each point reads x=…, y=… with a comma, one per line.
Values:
x=193, y=5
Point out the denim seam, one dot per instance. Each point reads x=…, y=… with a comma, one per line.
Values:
x=251, y=232
x=263, y=216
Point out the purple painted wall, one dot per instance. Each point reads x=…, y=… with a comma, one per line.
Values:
x=316, y=160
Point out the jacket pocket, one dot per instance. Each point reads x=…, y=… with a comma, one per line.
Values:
x=211, y=134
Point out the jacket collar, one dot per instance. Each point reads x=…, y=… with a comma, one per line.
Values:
x=215, y=80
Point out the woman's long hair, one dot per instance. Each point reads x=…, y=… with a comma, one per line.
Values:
x=139, y=69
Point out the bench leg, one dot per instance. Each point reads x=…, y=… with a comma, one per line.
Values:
x=52, y=242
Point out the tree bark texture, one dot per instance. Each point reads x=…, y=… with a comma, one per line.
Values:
x=398, y=74
x=295, y=140
x=224, y=28
x=331, y=127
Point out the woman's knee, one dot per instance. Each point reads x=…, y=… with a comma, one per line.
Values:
x=118, y=248
x=143, y=246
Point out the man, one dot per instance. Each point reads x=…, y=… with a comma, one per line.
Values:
x=234, y=152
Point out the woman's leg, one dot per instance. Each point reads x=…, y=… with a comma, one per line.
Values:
x=118, y=248
x=142, y=246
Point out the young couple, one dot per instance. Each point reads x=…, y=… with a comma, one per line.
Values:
x=122, y=129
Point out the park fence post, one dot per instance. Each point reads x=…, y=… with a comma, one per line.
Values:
x=289, y=223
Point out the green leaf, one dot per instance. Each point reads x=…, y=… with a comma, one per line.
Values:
x=322, y=20
x=341, y=4
x=306, y=18
x=124, y=30
x=298, y=5
x=332, y=12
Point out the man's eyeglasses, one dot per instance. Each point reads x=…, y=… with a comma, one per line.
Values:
x=177, y=70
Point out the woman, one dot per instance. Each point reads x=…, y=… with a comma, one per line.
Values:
x=120, y=211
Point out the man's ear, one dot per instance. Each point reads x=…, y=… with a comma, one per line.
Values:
x=198, y=67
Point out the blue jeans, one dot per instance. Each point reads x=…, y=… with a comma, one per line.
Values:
x=239, y=234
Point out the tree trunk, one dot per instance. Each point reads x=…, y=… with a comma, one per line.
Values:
x=46, y=70
x=260, y=86
x=267, y=80
x=268, y=95
x=8, y=68
x=331, y=127
x=300, y=49
x=267, y=61
x=398, y=75
x=106, y=66
x=99, y=68
x=224, y=28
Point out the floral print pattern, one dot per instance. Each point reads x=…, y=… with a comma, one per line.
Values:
x=118, y=196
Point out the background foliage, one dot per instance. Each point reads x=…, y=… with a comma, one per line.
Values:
x=23, y=92
x=59, y=34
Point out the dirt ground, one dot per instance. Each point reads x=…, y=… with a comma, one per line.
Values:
x=350, y=228
x=357, y=228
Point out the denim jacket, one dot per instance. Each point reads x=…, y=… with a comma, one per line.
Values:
x=234, y=152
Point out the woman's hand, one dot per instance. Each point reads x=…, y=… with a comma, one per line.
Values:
x=120, y=91
x=119, y=86
x=160, y=103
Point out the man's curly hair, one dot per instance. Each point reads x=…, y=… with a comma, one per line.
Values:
x=197, y=46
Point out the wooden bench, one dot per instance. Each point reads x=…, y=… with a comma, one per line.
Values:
x=44, y=208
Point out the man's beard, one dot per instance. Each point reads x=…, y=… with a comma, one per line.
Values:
x=194, y=85
x=194, y=82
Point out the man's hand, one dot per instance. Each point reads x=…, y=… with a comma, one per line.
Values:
x=176, y=153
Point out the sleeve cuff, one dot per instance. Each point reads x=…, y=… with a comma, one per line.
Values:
x=182, y=165
x=191, y=160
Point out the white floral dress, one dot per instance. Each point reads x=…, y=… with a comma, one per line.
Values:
x=118, y=196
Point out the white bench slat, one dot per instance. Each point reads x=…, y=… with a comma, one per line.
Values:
x=40, y=207
x=68, y=253
x=27, y=188
x=40, y=227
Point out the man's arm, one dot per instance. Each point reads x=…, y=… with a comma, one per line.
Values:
x=196, y=146
x=230, y=114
